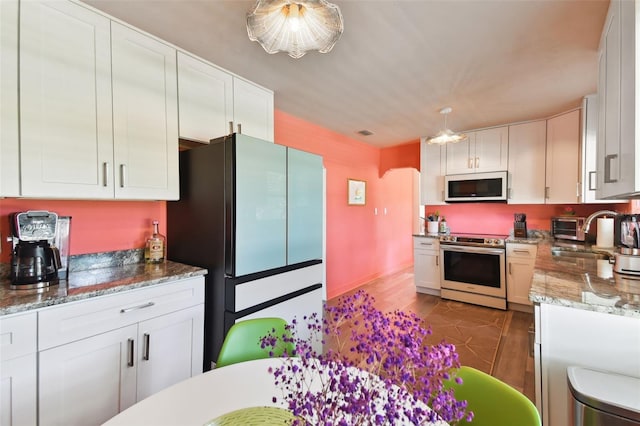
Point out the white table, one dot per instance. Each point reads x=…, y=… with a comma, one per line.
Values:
x=202, y=398
x=206, y=396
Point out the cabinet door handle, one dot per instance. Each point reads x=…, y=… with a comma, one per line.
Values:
x=477, y=162
x=437, y=263
x=510, y=193
x=521, y=251
x=135, y=308
x=607, y=168
x=230, y=127
x=145, y=342
x=239, y=126
x=426, y=244
x=130, y=361
x=592, y=186
x=578, y=186
x=105, y=174
x=470, y=166
x=123, y=175
x=546, y=192
x=509, y=268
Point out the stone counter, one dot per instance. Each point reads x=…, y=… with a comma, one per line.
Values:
x=99, y=274
x=581, y=283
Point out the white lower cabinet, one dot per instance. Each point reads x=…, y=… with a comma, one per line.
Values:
x=521, y=261
x=569, y=336
x=170, y=349
x=89, y=381
x=18, y=369
x=426, y=265
x=81, y=363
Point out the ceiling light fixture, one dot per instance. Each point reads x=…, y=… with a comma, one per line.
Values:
x=295, y=27
x=446, y=135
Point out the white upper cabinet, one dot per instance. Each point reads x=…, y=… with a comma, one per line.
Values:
x=563, y=154
x=9, y=136
x=211, y=98
x=253, y=109
x=145, y=116
x=618, y=145
x=205, y=96
x=66, y=138
x=483, y=151
x=98, y=107
x=589, y=139
x=432, y=170
x=527, y=162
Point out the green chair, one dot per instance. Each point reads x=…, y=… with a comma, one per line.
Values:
x=243, y=341
x=493, y=402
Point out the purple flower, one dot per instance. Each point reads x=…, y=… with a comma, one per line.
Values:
x=398, y=375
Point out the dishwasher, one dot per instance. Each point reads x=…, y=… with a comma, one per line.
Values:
x=603, y=398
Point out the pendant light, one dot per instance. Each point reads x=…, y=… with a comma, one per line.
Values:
x=295, y=26
x=446, y=135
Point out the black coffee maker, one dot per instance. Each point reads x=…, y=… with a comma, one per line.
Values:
x=35, y=260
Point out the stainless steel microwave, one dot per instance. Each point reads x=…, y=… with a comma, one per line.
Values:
x=491, y=186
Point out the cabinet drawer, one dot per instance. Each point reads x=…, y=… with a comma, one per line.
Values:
x=264, y=289
x=77, y=320
x=426, y=243
x=528, y=251
x=18, y=335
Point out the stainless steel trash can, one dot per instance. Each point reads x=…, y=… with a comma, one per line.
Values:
x=601, y=398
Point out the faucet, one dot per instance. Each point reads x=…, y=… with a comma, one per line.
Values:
x=587, y=222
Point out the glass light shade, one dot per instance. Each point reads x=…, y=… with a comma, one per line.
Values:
x=446, y=136
x=295, y=27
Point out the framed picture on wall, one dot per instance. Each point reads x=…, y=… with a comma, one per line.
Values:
x=357, y=190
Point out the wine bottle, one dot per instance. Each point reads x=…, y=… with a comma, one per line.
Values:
x=154, y=251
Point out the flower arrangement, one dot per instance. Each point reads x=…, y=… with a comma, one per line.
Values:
x=433, y=216
x=384, y=373
x=568, y=211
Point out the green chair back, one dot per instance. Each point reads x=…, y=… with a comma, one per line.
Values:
x=493, y=402
x=243, y=341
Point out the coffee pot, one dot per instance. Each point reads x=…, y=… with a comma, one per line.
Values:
x=627, y=233
x=35, y=260
x=627, y=240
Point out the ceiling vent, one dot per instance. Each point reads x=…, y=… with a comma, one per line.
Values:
x=365, y=132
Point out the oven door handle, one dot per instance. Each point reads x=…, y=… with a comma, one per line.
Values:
x=469, y=249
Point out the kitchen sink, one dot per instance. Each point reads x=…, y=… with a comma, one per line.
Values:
x=579, y=254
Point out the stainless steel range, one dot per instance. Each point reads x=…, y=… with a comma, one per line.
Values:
x=473, y=269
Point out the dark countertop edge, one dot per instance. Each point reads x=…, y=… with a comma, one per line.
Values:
x=434, y=236
x=103, y=290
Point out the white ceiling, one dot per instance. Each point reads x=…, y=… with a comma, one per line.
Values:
x=399, y=62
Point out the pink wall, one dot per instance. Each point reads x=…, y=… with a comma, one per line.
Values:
x=360, y=244
x=490, y=218
x=96, y=226
x=400, y=156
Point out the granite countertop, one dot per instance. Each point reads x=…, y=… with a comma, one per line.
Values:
x=99, y=275
x=583, y=283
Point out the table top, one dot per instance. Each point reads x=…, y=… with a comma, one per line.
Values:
x=204, y=397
